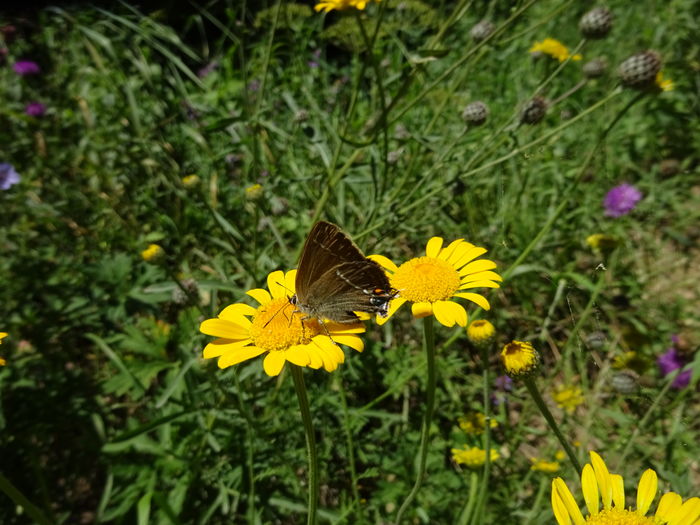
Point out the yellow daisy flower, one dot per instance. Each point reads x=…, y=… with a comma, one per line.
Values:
x=662, y=83
x=542, y=465
x=553, y=48
x=278, y=328
x=474, y=423
x=598, y=485
x=472, y=457
x=520, y=359
x=568, y=398
x=152, y=253
x=430, y=282
x=3, y=335
x=340, y=5
x=481, y=333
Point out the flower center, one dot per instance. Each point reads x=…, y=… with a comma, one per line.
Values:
x=617, y=516
x=277, y=325
x=426, y=279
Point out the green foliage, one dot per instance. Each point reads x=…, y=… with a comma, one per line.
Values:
x=108, y=414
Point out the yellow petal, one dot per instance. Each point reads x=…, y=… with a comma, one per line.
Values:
x=668, y=504
x=479, y=284
x=558, y=507
x=472, y=253
x=479, y=300
x=222, y=346
x=618, y=490
x=590, y=489
x=260, y=295
x=234, y=312
x=448, y=313
x=482, y=276
x=273, y=363
x=462, y=254
x=421, y=309
x=344, y=328
x=448, y=252
x=432, y=249
x=298, y=355
x=603, y=477
x=225, y=329
x=481, y=265
x=275, y=283
x=568, y=501
x=646, y=491
x=384, y=262
x=238, y=356
x=352, y=341
x=315, y=360
x=393, y=306
x=687, y=513
x=290, y=281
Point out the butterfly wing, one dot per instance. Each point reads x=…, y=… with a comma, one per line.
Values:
x=325, y=248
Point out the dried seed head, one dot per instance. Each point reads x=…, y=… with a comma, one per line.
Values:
x=475, y=113
x=481, y=31
x=625, y=382
x=533, y=111
x=595, y=68
x=639, y=71
x=596, y=23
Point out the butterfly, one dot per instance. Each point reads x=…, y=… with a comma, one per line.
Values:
x=334, y=279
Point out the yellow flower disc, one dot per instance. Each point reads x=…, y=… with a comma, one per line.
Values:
x=617, y=516
x=426, y=279
x=278, y=326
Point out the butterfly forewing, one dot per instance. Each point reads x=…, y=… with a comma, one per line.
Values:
x=335, y=279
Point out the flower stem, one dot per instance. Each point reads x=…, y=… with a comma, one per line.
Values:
x=471, y=500
x=300, y=388
x=429, y=343
x=537, y=398
x=483, y=492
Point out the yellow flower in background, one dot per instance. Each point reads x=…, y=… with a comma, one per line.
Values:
x=430, y=282
x=553, y=48
x=662, y=83
x=541, y=465
x=600, y=242
x=340, y=5
x=599, y=486
x=625, y=359
x=3, y=335
x=520, y=359
x=472, y=457
x=474, y=423
x=568, y=398
x=190, y=181
x=278, y=328
x=152, y=253
x=254, y=192
x=481, y=333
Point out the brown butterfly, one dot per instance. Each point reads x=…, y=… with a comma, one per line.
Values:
x=334, y=279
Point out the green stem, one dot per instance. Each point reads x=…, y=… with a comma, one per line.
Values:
x=483, y=493
x=351, y=453
x=537, y=398
x=20, y=500
x=429, y=343
x=471, y=501
x=298, y=375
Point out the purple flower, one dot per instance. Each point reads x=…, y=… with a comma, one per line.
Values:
x=504, y=383
x=35, y=109
x=26, y=67
x=8, y=176
x=621, y=200
x=671, y=361
x=209, y=68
